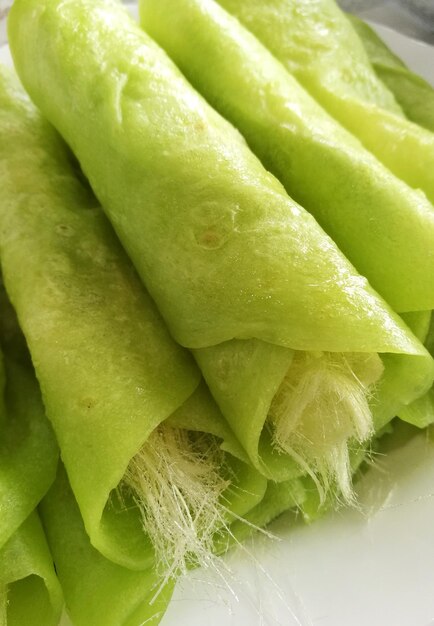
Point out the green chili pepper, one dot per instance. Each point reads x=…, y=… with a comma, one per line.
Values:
x=109, y=371
x=223, y=250
x=29, y=590
x=317, y=44
x=97, y=591
x=414, y=94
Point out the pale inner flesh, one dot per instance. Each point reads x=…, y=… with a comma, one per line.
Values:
x=321, y=409
x=176, y=482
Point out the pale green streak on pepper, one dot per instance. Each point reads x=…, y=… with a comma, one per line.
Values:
x=384, y=228
x=414, y=94
x=33, y=595
x=316, y=42
x=222, y=249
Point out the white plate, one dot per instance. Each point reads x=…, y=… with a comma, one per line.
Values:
x=419, y=56
x=365, y=568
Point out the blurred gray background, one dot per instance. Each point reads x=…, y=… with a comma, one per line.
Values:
x=414, y=18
